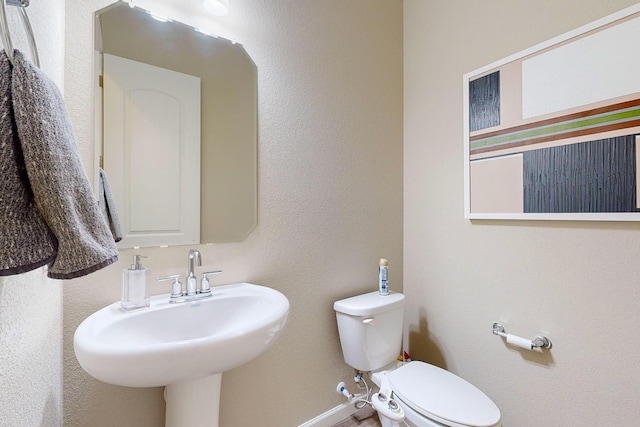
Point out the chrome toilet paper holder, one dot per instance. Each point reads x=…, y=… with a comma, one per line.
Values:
x=538, y=342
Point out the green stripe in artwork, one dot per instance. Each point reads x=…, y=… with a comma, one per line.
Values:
x=558, y=128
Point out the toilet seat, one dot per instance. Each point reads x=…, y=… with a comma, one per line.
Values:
x=442, y=396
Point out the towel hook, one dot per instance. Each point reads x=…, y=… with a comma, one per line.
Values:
x=4, y=29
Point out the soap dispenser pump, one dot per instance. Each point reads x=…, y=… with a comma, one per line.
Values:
x=135, y=289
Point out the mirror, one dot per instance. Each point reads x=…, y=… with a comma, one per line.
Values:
x=227, y=187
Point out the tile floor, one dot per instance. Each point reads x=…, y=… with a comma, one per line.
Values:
x=366, y=417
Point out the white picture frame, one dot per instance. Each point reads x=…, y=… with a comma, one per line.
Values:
x=550, y=133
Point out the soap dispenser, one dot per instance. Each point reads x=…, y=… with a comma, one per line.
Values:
x=135, y=290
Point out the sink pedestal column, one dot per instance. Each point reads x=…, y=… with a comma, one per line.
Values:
x=193, y=403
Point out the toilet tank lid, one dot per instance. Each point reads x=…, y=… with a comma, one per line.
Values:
x=369, y=304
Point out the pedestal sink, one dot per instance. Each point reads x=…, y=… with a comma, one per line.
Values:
x=185, y=347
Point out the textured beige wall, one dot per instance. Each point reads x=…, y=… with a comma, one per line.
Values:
x=330, y=201
x=30, y=351
x=576, y=281
x=31, y=304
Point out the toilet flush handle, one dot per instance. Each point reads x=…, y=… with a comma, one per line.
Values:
x=368, y=321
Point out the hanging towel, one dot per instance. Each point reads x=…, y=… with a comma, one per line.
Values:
x=26, y=242
x=108, y=207
x=59, y=184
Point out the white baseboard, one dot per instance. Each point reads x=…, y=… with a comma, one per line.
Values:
x=332, y=416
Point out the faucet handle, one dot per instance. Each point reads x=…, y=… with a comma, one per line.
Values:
x=176, y=286
x=205, y=287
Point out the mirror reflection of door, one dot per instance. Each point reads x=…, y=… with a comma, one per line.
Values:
x=228, y=112
x=152, y=151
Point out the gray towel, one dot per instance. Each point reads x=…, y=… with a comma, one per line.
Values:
x=26, y=242
x=61, y=191
x=108, y=206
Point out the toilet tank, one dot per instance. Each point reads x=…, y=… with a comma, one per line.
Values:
x=370, y=328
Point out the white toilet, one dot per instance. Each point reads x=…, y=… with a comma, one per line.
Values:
x=370, y=327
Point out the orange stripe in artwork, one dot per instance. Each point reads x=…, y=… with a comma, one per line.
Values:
x=576, y=133
x=559, y=119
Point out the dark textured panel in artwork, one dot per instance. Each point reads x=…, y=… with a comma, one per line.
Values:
x=596, y=176
x=484, y=101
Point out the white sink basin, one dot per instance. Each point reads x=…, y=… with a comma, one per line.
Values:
x=170, y=343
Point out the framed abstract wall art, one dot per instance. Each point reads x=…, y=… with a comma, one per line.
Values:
x=553, y=132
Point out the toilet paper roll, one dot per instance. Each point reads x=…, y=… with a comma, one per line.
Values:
x=519, y=342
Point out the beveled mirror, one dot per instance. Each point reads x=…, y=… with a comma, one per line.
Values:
x=224, y=191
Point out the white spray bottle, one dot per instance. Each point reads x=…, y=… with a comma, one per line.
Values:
x=383, y=280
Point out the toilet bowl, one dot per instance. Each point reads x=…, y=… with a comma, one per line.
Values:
x=431, y=396
x=370, y=328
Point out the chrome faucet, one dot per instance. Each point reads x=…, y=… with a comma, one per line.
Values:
x=191, y=292
x=192, y=281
